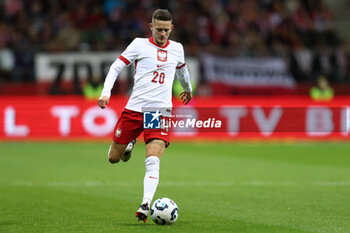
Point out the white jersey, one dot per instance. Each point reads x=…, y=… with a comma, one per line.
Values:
x=155, y=69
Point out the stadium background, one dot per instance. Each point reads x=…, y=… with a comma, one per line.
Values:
x=251, y=54
x=52, y=51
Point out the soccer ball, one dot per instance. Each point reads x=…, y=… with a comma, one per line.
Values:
x=164, y=211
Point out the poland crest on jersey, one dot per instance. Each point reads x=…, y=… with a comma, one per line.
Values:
x=118, y=132
x=162, y=55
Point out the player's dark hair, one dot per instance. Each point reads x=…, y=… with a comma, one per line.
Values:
x=162, y=14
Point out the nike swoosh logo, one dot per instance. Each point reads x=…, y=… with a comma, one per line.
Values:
x=152, y=177
x=160, y=66
x=162, y=133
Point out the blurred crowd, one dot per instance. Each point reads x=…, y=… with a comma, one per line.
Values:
x=300, y=31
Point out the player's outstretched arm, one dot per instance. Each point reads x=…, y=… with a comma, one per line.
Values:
x=103, y=101
x=185, y=97
x=112, y=75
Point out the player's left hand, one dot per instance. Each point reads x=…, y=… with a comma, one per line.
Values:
x=185, y=97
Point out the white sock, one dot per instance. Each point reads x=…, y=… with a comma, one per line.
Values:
x=151, y=179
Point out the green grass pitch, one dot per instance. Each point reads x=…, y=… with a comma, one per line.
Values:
x=219, y=187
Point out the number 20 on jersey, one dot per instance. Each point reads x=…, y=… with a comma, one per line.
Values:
x=158, y=77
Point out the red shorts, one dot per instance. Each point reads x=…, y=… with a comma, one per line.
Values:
x=130, y=126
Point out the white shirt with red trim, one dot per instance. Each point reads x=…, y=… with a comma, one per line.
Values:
x=155, y=69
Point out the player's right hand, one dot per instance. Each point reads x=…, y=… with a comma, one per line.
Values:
x=103, y=101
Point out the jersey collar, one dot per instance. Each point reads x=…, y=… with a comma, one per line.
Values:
x=163, y=47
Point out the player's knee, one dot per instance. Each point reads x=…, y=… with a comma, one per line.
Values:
x=113, y=159
x=115, y=153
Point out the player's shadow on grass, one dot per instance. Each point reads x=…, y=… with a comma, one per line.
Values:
x=141, y=225
x=152, y=224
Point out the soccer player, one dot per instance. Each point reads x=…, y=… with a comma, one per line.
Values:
x=157, y=60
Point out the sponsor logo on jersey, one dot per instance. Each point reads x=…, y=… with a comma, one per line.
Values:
x=162, y=55
x=160, y=66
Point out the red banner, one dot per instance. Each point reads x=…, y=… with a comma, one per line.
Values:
x=256, y=117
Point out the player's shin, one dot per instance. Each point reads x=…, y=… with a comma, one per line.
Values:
x=151, y=179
